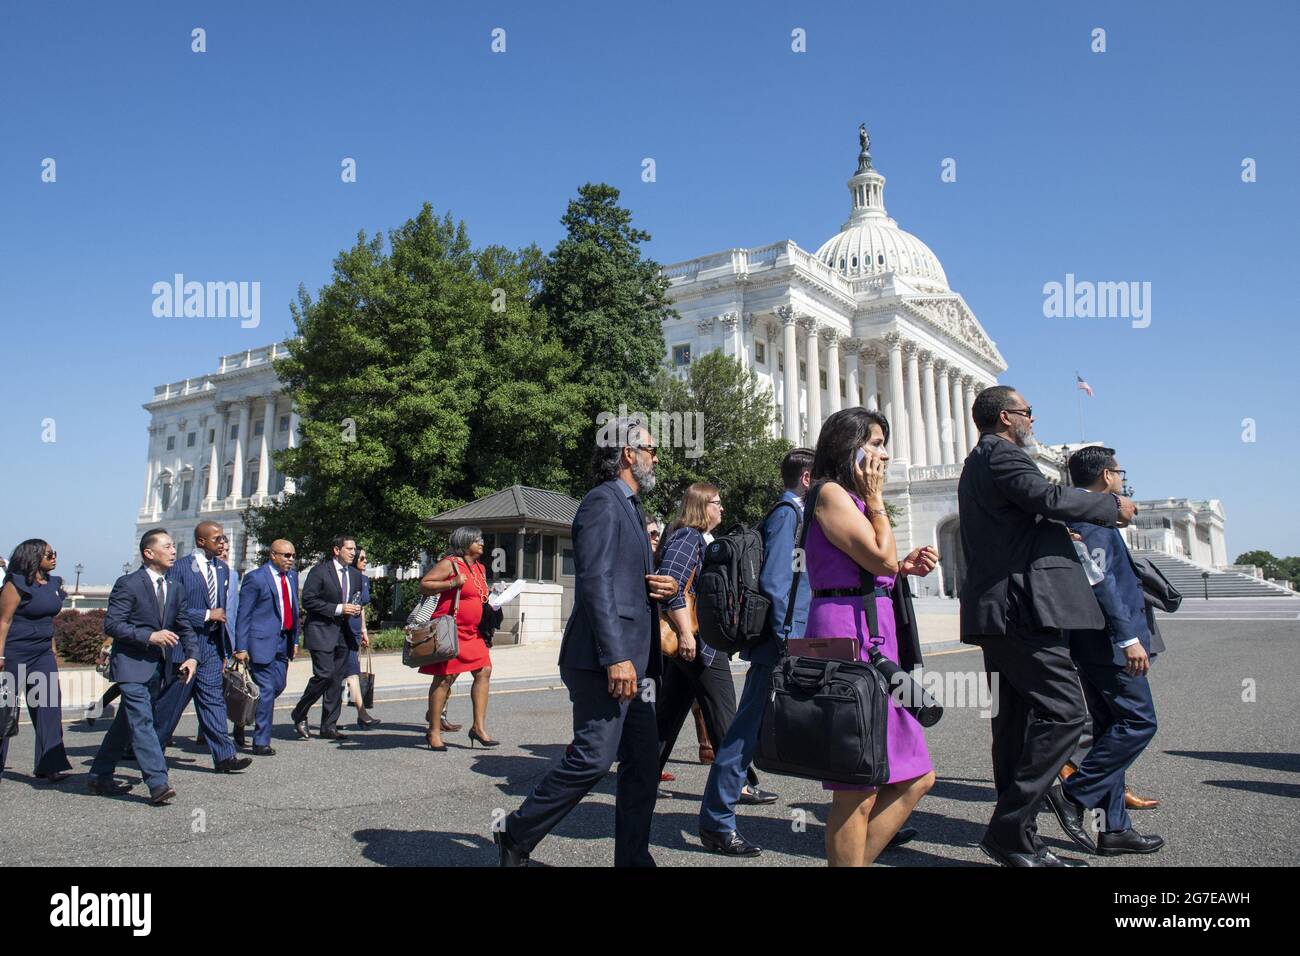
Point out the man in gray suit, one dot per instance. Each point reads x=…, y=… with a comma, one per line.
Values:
x=1024, y=586
x=608, y=657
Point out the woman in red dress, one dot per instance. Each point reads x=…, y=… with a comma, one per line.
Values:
x=460, y=570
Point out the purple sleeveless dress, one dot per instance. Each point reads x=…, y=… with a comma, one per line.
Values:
x=829, y=567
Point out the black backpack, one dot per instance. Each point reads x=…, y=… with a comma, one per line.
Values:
x=731, y=610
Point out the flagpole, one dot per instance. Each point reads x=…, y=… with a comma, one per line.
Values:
x=1080, y=396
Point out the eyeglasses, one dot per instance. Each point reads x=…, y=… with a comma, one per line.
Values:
x=282, y=554
x=1118, y=471
x=1027, y=412
x=652, y=449
x=51, y=554
x=716, y=501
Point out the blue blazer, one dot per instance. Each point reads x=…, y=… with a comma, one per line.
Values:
x=185, y=572
x=259, y=629
x=612, y=618
x=780, y=537
x=1120, y=596
x=133, y=615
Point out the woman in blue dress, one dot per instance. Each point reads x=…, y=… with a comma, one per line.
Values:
x=30, y=598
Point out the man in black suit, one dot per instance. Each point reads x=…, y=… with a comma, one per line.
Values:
x=329, y=598
x=1024, y=585
x=608, y=659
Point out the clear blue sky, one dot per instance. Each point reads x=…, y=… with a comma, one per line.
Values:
x=225, y=165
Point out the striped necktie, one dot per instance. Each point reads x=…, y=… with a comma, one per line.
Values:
x=212, y=585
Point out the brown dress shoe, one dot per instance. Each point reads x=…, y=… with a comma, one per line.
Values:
x=1134, y=802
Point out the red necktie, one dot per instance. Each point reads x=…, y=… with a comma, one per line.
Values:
x=284, y=602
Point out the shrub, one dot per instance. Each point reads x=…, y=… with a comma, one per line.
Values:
x=381, y=599
x=78, y=635
x=388, y=640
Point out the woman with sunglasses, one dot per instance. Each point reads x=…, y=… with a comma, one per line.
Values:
x=352, y=676
x=30, y=598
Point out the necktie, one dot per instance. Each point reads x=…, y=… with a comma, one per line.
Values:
x=284, y=602
x=343, y=584
x=162, y=604
x=212, y=585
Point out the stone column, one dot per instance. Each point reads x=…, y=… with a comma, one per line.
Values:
x=811, y=328
x=915, y=425
x=871, y=383
x=894, y=408
x=961, y=447
x=851, y=350
x=264, y=450
x=729, y=322
x=947, y=427
x=241, y=443
x=215, y=460
x=150, y=474
x=930, y=412
x=968, y=402
x=790, y=342
x=290, y=486
x=833, y=373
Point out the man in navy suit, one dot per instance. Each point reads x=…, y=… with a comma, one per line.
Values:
x=205, y=579
x=146, y=618
x=608, y=658
x=330, y=597
x=1113, y=662
x=266, y=633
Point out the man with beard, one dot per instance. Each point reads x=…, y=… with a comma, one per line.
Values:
x=1024, y=586
x=608, y=659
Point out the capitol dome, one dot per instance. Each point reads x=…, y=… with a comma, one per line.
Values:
x=871, y=243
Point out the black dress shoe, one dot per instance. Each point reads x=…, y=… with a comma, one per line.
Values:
x=263, y=751
x=1128, y=841
x=364, y=722
x=753, y=796
x=106, y=786
x=332, y=735
x=729, y=843
x=1051, y=859
x=161, y=795
x=509, y=853
x=1013, y=858
x=1070, y=815
x=57, y=777
x=904, y=835
x=233, y=764
x=300, y=728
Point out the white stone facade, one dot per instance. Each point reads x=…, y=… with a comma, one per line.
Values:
x=209, y=453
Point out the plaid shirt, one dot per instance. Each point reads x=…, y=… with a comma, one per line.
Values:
x=683, y=553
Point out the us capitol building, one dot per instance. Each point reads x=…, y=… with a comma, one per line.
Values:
x=868, y=319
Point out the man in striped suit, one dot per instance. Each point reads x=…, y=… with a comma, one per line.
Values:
x=205, y=580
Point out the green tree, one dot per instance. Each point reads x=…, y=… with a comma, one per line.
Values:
x=607, y=304
x=1265, y=560
x=737, y=450
x=422, y=377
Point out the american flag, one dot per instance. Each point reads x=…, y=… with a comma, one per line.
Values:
x=1083, y=386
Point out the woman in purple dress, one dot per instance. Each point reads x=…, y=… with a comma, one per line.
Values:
x=851, y=532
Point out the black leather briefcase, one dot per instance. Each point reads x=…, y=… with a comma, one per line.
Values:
x=825, y=720
x=241, y=695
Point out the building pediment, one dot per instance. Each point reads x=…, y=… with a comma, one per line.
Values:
x=951, y=316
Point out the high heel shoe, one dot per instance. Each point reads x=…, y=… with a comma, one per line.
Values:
x=428, y=739
x=447, y=726
x=485, y=741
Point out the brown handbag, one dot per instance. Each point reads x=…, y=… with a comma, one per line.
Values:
x=668, y=638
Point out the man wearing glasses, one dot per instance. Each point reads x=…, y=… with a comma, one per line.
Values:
x=608, y=659
x=204, y=580
x=266, y=633
x=1024, y=587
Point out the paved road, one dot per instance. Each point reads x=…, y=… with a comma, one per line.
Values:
x=1228, y=770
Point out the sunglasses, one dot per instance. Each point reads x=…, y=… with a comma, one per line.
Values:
x=51, y=554
x=1027, y=412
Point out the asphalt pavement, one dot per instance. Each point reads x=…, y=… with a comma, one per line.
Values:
x=1225, y=763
